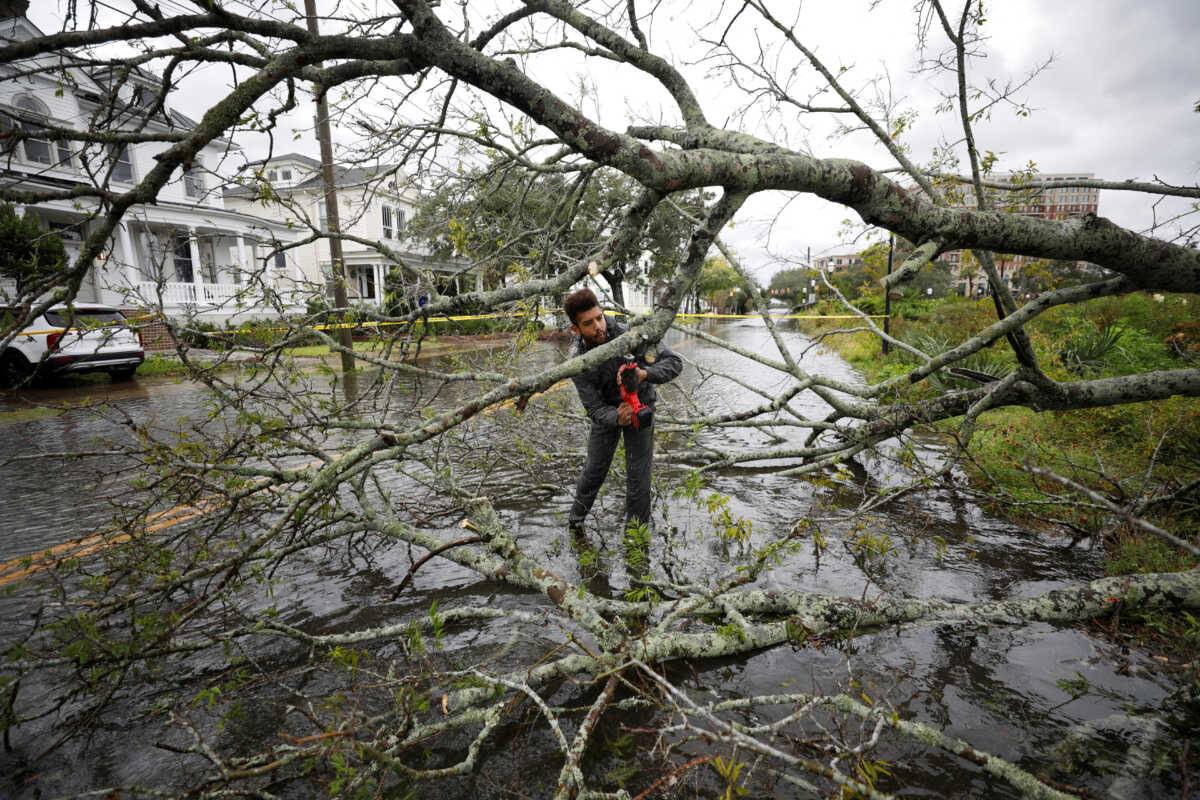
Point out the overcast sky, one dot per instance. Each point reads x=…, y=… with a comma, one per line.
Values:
x=1116, y=100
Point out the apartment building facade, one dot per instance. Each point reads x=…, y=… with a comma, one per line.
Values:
x=836, y=262
x=1031, y=196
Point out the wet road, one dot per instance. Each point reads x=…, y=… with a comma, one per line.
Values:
x=997, y=687
x=46, y=499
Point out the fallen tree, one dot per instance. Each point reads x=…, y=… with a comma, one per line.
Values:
x=194, y=594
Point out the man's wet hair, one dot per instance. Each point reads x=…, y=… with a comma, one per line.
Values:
x=578, y=302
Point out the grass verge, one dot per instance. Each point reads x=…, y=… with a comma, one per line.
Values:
x=1137, y=453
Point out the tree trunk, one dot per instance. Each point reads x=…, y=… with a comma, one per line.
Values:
x=616, y=278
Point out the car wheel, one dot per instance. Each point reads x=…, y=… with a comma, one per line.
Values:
x=14, y=370
x=122, y=374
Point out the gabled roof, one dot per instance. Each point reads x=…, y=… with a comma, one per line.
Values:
x=342, y=177
x=351, y=176
x=92, y=84
x=17, y=28
x=296, y=157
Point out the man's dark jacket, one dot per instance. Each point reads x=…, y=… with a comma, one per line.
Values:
x=597, y=386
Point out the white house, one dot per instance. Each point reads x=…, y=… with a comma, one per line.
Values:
x=187, y=252
x=375, y=202
x=639, y=297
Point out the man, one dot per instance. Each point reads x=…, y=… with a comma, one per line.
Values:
x=599, y=391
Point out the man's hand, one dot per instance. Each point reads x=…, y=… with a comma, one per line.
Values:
x=639, y=372
x=624, y=415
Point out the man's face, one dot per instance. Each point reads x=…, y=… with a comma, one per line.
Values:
x=591, y=326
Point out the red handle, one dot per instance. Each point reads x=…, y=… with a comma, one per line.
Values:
x=629, y=397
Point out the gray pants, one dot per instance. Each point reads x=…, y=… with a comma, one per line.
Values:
x=639, y=456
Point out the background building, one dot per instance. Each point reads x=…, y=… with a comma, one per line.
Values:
x=1032, y=199
x=836, y=263
x=375, y=203
x=187, y=252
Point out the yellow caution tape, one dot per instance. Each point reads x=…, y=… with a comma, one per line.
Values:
x=784, y=316
x=330, y=326
x=368, y=324
x=87, y=328
x=381, y=324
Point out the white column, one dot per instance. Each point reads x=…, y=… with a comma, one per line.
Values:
x=378, y=284
x=241, y=259
x=197, y=276
x=271, y=274
x=132, y=274
x=478, y=280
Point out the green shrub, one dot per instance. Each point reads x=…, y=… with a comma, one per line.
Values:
x=870, y=304
x=1142, y=352
x=254, y=333
x=989, y=361
x=27, y=253
x=1089, y=349
x=1132, y=553
x=197, y=335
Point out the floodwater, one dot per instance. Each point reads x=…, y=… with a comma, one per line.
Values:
x=1000, y=688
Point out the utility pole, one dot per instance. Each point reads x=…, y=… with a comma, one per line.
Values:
x=334, y=225
x=887, y=291
x=808, y=263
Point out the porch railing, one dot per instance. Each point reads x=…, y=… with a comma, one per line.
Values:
x=190, y=294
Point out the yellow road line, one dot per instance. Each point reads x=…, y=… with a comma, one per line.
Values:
x=19, y=567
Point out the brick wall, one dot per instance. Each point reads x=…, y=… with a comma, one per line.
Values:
x=155, y=337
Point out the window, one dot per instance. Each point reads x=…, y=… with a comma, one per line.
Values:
x=387, y=222
x=280, y=261
x=86, y=317
x=37, y=147
x=272, y=175
x=122, y=167
x=399, y=221
x=235, y=263
x=31, y=104
x=182, y=248
x=193, y=180
x=365, y=275
x=287, y=174
x=155, y=259
x=322, y=218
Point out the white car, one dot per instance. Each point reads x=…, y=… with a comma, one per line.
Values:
x=72, y=339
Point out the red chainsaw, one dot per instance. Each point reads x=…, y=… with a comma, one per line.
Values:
x=627, y=380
